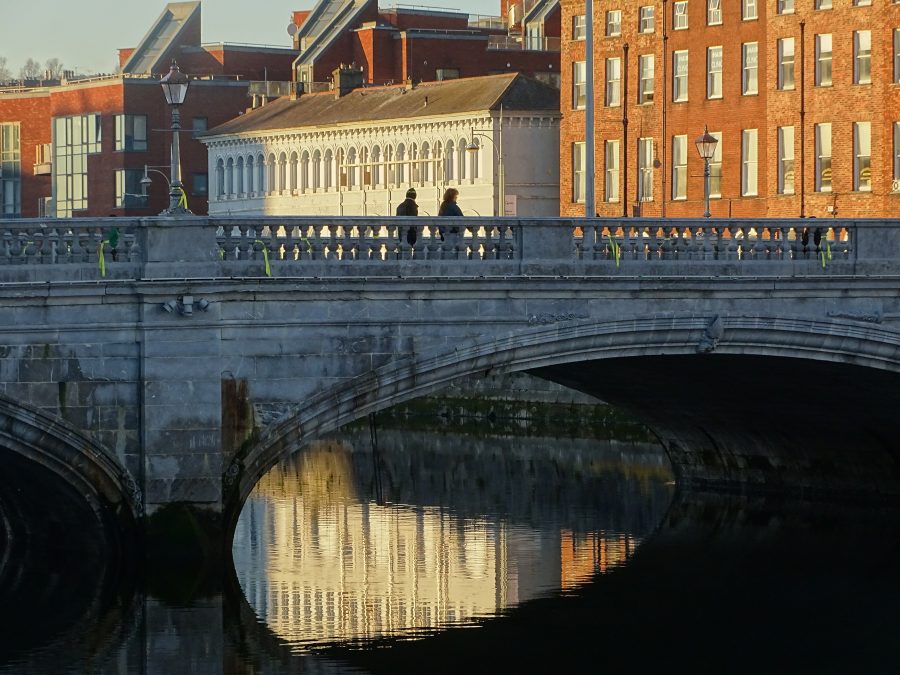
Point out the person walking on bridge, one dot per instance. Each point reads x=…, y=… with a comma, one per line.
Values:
x=408, y=207
x=450, y=208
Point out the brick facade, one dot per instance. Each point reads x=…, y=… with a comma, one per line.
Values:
x=841, y=105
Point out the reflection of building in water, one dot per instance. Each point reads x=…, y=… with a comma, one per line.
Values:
x=321, y=563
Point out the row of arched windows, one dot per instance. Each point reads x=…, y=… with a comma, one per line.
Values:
x=366, y=167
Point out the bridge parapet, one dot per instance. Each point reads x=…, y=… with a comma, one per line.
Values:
x=202, y=247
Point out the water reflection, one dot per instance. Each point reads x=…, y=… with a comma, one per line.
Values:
x=470, y=529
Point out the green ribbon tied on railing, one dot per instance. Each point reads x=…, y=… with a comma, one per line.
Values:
x=616, y=249
x=308, y=245
x=265, y=252
x=826, y=254
x=112, y=239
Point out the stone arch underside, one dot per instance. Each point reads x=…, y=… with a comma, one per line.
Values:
x=825, y=356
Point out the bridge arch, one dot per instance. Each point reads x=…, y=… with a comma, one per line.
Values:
x=55, y=461
x=554, y=343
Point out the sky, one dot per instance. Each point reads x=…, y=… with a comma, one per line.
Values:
x=86, y=34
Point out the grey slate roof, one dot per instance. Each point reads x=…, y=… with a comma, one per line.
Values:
x=473, y=94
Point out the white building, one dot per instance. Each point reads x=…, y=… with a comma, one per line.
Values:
x=355, y=151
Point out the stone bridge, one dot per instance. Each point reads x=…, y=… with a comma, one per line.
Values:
x=151, y=371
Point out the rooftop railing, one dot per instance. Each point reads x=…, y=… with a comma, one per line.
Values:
x=523, y=42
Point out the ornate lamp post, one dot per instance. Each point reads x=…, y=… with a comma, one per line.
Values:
x=706, y=146
x=175, y=86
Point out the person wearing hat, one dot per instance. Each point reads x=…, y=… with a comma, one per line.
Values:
x=409, y=208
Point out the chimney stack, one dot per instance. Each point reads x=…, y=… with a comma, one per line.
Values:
x=346, y=79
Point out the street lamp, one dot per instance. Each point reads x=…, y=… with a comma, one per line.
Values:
x=706, y=146
x=175, y=86
x=473, y=148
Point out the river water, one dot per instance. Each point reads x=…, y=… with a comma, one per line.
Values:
x=453, y=546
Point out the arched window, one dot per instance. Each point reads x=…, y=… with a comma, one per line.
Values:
x=327, y=171
x=400, y=165
x=304, y=171
x=261, y=186
x=414, y=172
x=427, y=174
x=292, y=173
x=282, y=173
x=229, y=176
x=365, y=169
x=449, y=159
x=251, y=176
x=475, y=158
x=462, y=161
x=352, y=170
x=239, y=177
x=390, y=171
x=220, y=179
x=317, y=170
x=272, y=173
x=376, y=166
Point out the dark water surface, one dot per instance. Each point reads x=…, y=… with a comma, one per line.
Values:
x=450, y=552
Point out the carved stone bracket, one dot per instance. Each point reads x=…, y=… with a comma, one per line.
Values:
x=710, y=340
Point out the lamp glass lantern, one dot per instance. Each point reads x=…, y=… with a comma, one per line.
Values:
x=175, y=85
x=706, y=145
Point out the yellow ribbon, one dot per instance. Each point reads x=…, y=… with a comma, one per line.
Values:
x=183, y=201
x=265, y=252
x=101, y=259
x=617, y=252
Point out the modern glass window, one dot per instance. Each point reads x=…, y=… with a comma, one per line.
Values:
x=579, y=27
x=74, y=138
x=200, y=184
x=862, y=57
x=128, y=188
x=646, y=23
x=614, y=82
x=645, y=169
x=131, y=133
x=679, y=167
x=578, y=172
x=579, y=85
x=786, y=63
x=896, y=153
x=680, y=15
x=785, y=6
x=714, y=12
x=785, y=160
x=897, y=55
x=823, y=60
x=749, y=161
x=714, y=72
x=199, y=125
x=645, y=77
x=10, y=170
x=611, y=181
x=750, y=67
x=823, y=157
x=749, y=10
x=823, y=4
x=715, y=168
x=680, y=76
x=613, y=22
x=862, y=156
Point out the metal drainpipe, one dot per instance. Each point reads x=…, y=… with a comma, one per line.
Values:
x=665, y=98
x=803, y=119
x=625, y=130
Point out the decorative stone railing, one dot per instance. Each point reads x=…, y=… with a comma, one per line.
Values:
x=194, y=247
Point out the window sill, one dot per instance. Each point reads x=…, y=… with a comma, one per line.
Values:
x=751, y=18
x=755, y=93
x=714, y=98
x=714, y=24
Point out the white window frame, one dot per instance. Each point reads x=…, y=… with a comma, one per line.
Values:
x=679, y=168
x=749, y=10
x=613, y=89
x=786, y=168
x=824, y=57
x=579, y=85
x=746, y=69
x=611, y=171
x=715, y=168
x=896, y=42
x=579, y=172
x=613, y=22
x=862, y=154
x=784, y=6
x=714, y=13
x=579, y=27
x=862, y=3
x=822, y=139
x=680, y=15
x=862, y=75
x=645, y=169
x=714, y=82
x=646, y=75
x=680, y=81
x=786, y=59
x=647, y=19
x=896, y=128
x=824, y=4
x=750, y=162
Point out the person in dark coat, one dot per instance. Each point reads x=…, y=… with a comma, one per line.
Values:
x=408, y=207
x=449, y=207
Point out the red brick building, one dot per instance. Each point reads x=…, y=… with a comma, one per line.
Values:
x=802, y=95
x=79, y=148
x=426, y=44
